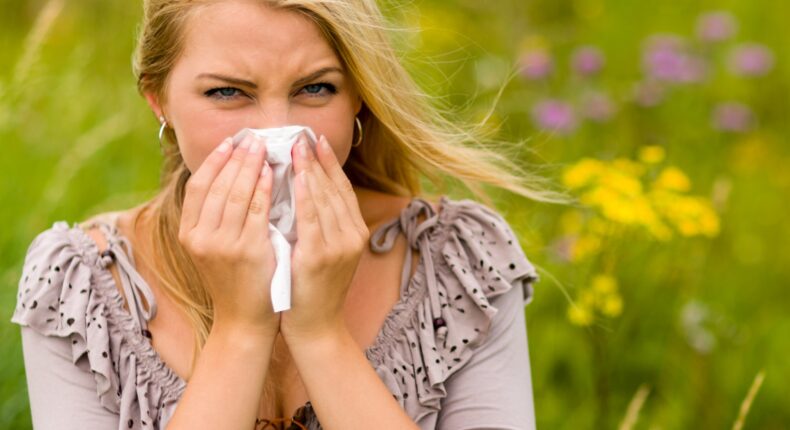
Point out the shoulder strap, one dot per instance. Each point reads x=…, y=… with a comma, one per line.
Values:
x=119, y=251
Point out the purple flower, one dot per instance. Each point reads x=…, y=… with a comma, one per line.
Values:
x=733, y=117
x=536, y=64
x=751, y=59
x=716, y=26
x=598, y=107
x=666, y=59
x=556, y=115
x=587, y=60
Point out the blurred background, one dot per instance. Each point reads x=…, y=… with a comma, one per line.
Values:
x=661, y=303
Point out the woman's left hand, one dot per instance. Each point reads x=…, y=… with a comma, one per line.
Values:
x=331, y=236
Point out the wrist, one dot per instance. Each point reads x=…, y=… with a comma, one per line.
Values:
x=243, y=335
x=326, y=336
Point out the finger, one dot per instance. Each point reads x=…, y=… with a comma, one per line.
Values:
x=257, y=223
x=331, y=198
x=214, y=206
x=323, y=167
x=243, y=187
x=321, y=198
x=335, y=172
x=200, y=181
x=308, y=228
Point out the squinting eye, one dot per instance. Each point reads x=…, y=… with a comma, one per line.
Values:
x=222, y=93
x=314, y=89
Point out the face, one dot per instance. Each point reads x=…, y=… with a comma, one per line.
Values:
x=244, y=64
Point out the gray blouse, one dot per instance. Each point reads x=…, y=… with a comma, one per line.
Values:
x=452, y=351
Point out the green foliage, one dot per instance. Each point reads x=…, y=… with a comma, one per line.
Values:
x=697, y=316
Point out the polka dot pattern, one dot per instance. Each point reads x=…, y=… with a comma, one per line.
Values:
x=67, y=290
x=468, y=256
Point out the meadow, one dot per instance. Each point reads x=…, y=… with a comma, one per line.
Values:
x=661, y=303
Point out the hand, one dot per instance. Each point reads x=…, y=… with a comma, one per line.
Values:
x=225, y=230
x=331, y=236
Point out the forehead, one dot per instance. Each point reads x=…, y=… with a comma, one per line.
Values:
x=249, y=35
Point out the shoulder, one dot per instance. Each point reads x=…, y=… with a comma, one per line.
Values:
x=57, y=273
x=479, y=240
x=472, y=281
x=65, y=292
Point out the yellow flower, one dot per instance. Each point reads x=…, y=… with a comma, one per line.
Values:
x=691, y=216
x=621, y=181
x=672, y=178
x=607, y=299
x=580, y=315
x=601, y=297
x=612, y=305
x=582, y=173
x=604, y=284
x=652, y=154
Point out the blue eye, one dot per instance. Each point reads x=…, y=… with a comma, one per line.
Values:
x=314, y=89
x=222, y=93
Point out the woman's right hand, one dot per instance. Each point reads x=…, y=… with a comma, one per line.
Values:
x=225, y=229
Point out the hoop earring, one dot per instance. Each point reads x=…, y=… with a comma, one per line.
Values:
x=359, y=126
x=161, y=132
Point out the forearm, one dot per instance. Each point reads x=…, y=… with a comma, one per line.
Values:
x=225, y=389
x=344, y=389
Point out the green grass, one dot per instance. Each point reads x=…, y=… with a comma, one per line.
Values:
x=78, y=140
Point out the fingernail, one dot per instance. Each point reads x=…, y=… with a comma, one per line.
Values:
x=245, y=143
x=225, y=145
x=265, y=170
x=324, y=143
x=255, y=147
x=302, y=148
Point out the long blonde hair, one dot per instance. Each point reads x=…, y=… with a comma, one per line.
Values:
x=405, y=134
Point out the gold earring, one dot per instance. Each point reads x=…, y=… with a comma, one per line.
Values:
x=359, y=126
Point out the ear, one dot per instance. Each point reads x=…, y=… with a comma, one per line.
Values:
x=358, y=105
x=153, y=103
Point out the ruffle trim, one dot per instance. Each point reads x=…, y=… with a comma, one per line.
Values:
x=469, y=256
x=65, y=291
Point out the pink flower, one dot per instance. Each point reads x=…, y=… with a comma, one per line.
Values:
x=716, y=26
x=667, y=59
x=751, y=59
x=587, y=60
x=732, y=117
x=536, y=64
x=556, y=115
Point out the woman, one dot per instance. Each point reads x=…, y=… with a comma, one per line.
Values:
x=423, y=329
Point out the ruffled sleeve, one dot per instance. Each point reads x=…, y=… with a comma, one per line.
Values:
x=65, y=291
x=469, y=256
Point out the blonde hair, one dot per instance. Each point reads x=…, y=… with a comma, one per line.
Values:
x=405, y=135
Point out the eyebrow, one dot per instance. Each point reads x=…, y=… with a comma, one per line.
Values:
x=315, y=75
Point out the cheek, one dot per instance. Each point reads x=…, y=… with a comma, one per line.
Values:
x=339, y=136
x=199, y=133
x=338, y=126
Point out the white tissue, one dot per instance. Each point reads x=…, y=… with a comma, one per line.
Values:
x=282, y=215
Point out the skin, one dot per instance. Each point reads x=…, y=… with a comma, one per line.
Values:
x=226, y=208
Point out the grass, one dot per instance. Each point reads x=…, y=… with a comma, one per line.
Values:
x=700, y=315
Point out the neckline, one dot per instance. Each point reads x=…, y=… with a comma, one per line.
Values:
x=394, y=320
